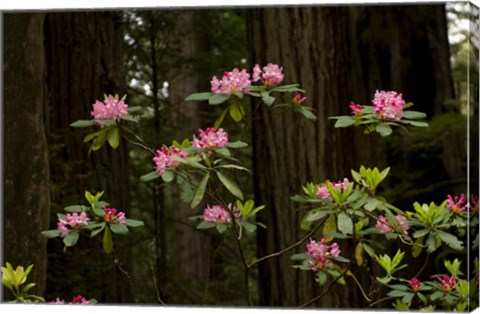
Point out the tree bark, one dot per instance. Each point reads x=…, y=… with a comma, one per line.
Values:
x=290, y=151
x=85, y=60
x=26, y=167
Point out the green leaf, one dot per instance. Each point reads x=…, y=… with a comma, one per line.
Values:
x=233, y=167
x=129, y=117
x=28, y=287
x=420, y=233
x=217, y=99
x=436, y=295
x=75, y=208
x=99, y=212
x=107, y=241
x=237, y=144
x=418, y=124
x=168, y=176
x=414, y=115
x=205, y=225
x=150, y=176
x=113, y=137
x=309, y=115
x=199, y=96
x=91, y=136
x=221, y=228
x=134, y=223
x=344, y=121
x=134, y=109
x=200, y=191
x=249, y=226
x=451, y=240
x=223, y=151
x=384, y=129
x=118, y=228
x=219, y=121
x=71, y=239
x=99, y=141
x=345, y=224
x=98, y=230
x=82, y=123
x=384, y=280
x=267, y=99
x=230, y=185
x=237, y=112
x=50, y=233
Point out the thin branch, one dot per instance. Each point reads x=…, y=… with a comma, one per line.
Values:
x=380, y=300
x=290, y=247
x=325, y=291
x=117, y=262
x=424, y=265
x=361, y=288
x=156, y=284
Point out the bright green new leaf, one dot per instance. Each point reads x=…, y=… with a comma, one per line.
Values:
x=237, y=111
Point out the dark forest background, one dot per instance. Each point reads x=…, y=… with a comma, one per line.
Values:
x=57, y=63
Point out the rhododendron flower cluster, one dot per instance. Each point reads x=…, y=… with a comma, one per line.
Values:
x=323, y=192
x=457, y=204
x=218, y=214
x=474, y=203
x=110, y=109
x=414, y=284
x=356, y=108
x=168, y=158
x=76, y=300
x=111, y=215
x=388, y=105
x=383, y=226
x=231, y=82
x=321, y=252
x=298, y=99
x=271, y=74
x=210, y=139
x=73, y=220
x=448, y=283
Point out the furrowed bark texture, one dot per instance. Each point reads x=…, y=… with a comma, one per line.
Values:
x=26, y=202
x=289, y=150
x=85, y=60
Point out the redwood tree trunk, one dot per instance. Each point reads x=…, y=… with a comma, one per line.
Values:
x=85, y=60
x=26, y=202
x=290, y=151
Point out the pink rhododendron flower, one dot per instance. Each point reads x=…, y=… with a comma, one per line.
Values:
x=474, y=203
x=457, y=204
x=110, y=109
x=271, y=74
x=168, y=158
x=73, y=220
x=388, y=105
x=298, y=99
x=57, y=301
x=321, y=252
x=414, y=284
x=112, y=215
x=383, y=226
x=324, y=193
x=356, y=108
x=218, y=214
x=210, y=139
x=79, y=300
x=231, y=82
x=448, y=283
